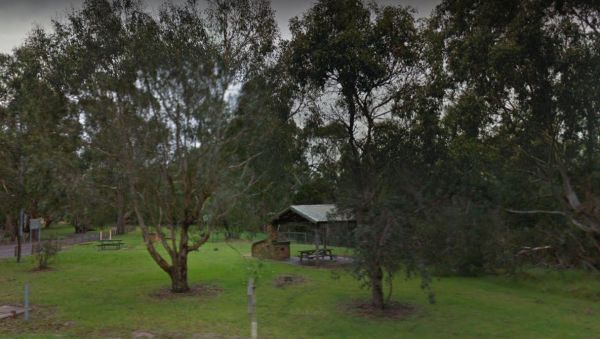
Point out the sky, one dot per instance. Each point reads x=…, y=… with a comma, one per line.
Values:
x=18, y=17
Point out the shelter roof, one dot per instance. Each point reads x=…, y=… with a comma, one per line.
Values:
x=316, y=214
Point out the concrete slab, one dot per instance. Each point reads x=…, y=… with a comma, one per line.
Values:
x=8, y=311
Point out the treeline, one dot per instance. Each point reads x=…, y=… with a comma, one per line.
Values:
x=465, y=142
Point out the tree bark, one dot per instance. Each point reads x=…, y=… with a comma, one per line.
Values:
x=179, y=270
x=10, y=227
x=377, y=299
x=48, y=221
x=120, y=200
x=80, y=227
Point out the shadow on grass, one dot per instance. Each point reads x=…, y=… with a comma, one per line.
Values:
x=393, y=310
x=197, y=290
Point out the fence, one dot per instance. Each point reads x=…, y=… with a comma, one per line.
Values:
x=309, y=238
x=79, y=238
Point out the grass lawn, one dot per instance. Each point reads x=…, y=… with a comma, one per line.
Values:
x=58, y=230
x=110, y=294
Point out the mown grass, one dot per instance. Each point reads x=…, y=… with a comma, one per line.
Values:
x=58, y=230
x=109, y=294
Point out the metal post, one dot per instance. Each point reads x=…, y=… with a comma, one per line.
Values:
x=252, y=308
x=26, y=301
x=20, y=234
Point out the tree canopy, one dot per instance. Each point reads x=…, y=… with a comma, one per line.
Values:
x=458, y=140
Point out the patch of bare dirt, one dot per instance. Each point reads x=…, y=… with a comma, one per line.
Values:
x=41, y=270
x=142, y=334
x=286, y=280
x=213, y=336
x=43, y=320
x=198, y=290
x=339, y=262
x=392, y=310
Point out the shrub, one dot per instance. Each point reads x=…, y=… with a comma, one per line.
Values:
x=45, y=252
x=468, y=239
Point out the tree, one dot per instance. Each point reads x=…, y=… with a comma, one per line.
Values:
x=523, y=83
x=272, y=141
x=187, y=176
x=95, y=60
x=360, y=64
x=158, y=96
x=39, y=133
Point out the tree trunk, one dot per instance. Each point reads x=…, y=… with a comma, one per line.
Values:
x=48, y=221
x=9, y=227
x=121, y=223
x=80, y=227
x=377, y=299
x=179, y=281
x=120, y=200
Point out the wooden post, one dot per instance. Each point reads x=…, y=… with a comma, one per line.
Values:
x=252, y=309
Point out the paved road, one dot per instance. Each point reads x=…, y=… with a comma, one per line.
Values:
x=8, y=251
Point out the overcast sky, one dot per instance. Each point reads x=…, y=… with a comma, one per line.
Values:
x=17, y=17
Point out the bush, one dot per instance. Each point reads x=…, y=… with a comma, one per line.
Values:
x=466, y=239
x=45, y=252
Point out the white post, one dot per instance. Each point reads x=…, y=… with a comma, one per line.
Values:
x=252, y=308
x=100, y=235
x=26, y=301
x=110, y=234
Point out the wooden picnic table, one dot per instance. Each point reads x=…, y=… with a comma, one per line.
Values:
x=316, y=254
x=110, y=244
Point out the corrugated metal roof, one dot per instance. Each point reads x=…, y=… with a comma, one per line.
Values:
x=320, y=213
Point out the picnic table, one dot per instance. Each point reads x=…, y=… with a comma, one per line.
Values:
x=110, y=244
x=316, y=254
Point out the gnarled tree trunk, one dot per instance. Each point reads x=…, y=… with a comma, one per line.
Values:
x=178, y=274
x=377, y=299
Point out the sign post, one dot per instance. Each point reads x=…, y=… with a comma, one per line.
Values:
x=35, y=225
x=20, y=233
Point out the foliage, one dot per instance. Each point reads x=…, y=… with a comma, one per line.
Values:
x=155, y=92
x=359, y=63
x=45, y=252
x=39, y=133
x=521, y=79
x=459, y=141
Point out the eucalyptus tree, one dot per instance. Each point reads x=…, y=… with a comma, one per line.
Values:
x=523, y=83
x=191, y=69
x=360, y=65
x=97, y=67
x=265, y=118
x=158, y=93
x=39, y=133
